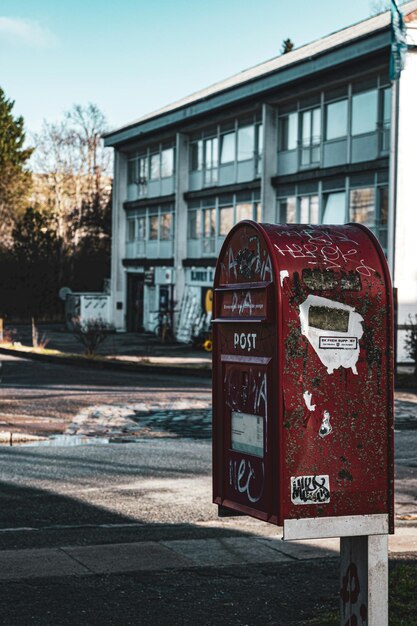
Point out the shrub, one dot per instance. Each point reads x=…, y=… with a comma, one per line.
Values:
x=91, y=333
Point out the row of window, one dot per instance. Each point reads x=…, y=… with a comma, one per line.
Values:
x=151, y=165
x=214, y=217
x=365, y=205
x=224, y=145
x=151, y=224
x=354, y=114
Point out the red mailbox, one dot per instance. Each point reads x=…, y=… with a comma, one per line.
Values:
x=302, y=373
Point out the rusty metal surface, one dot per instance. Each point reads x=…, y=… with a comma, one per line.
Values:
x=303, y=351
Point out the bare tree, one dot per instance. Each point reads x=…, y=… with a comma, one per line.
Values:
x=72, y=167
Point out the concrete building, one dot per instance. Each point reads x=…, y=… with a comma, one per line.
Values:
x=318, y=135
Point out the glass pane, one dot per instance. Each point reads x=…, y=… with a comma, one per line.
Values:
x=165, y=226
x=226, y=219
x=306, y=128
x=260, y=139
x=142, y=228
x=131, y=230
x=334, y=208
x=245, y=143
x=316, y=127
x=292, y=131
x=227, y=154
x=167, y=163
x=153, y=227
x=364, y=112
x=314, y=210
x=194, y=229
x=383, y=206
x=155, y=166
x=258, y=211
x=196, y=155
x=386, y=115
x=244, y=212
x=362, y=206
x=288, y=131
x=304, y=210
x=143, y=173
x=336, y=119
x=209, y=223
x=287, y=211
x=131, y=172
x=211, y=152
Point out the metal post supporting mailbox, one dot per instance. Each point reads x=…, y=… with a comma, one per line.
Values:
x=303, y=392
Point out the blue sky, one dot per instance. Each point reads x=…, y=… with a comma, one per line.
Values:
x=133, y=56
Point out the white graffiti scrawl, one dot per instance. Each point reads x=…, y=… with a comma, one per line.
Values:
x=334, y=330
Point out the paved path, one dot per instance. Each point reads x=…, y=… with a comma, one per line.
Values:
x=176, y=555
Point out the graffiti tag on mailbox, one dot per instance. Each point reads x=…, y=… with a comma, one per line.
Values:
x=310, y=489
x=243, y=303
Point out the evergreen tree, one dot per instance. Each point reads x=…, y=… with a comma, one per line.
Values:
x=287, y=46
x=14, y=178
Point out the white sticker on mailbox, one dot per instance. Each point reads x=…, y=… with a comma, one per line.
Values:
x=310, y=489
x=248, y=433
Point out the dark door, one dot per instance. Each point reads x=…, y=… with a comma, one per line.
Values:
x=135, y=283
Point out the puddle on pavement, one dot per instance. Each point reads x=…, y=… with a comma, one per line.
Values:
x=69, y=440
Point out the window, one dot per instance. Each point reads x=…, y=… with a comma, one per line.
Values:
x=288, y=131
x=167, y=163
x=364, y=112
x=309, y=210
x=362, y=206
x=258, y=211
x=334, y=208
x=165, y=226
x=383, y=217
x=386, y=118
x=155, y=169
x=245, y=143
x=141, y=222
x=130, y=230
x=131, y=172
x=143, y=169
x=336, y=119
x=196, y=155
x=386, y=107
x=209, y=222
x=244, y=211
x=227, y=149
x=310, y=136
x=225, y=220
x=194, y=224
x=287, y=210
x=153, y=227
x=211, y=147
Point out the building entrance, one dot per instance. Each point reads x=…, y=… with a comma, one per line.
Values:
x=135, y=287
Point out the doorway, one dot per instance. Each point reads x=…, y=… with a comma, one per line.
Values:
x=135, y=287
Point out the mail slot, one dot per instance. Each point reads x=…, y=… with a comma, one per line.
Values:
x=302, y=373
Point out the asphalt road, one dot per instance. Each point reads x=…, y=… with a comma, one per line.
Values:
x=44, y=397
x=157, y=489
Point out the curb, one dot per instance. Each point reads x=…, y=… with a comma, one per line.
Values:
x=127, y=366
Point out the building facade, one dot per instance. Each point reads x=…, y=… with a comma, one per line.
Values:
x=318, y=136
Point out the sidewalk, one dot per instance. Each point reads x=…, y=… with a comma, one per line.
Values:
x=126, y=351
x=175, y=555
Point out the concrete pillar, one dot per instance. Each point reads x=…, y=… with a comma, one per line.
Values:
x=181, y=218
x=364, y=580
x=118, y=275
x=269, y=163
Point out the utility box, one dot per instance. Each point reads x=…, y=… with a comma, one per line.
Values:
x=303, y=374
